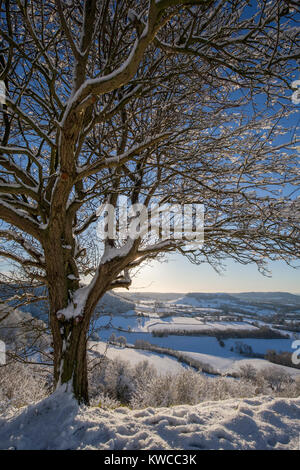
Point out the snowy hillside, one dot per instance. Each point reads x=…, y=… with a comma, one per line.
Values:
x=10, y=317
x=115, y=304
x=20, y=329
x=257, y=423
x=162, y=363
x=110, y=303
x=220, y=360
x=261, y=303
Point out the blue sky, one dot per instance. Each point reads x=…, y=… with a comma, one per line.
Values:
x=179, y=275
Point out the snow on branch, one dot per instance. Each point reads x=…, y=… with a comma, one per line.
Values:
x=121, y=159
x=19, y=219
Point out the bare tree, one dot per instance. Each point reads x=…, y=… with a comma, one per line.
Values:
x=121, y=340
x=167, y=100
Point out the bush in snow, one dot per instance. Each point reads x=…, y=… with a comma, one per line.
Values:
x=116, y=382
x=283, y=357
x=276, y=378
x=248, y=372
x=23, y=384
x=188, y=387
x=243, y=349
x=106, y=402
x=113, y=378
x=112, y=339
x=121, y=341
x=141, y=386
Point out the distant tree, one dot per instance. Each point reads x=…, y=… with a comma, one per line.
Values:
x=112, y=339
x=121, y=340
x=276, y=378
x=242, y=348
x=177, y=101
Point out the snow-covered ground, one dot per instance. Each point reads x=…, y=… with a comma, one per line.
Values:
x=57, y=423
x=204, y=349
x=153, y=322
x=229, y=365
x=183, y=323
x=257, y=302
x=261, y=346
x=162, y=363
x=198, y=312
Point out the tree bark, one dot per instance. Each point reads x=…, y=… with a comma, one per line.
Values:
x=73, y=362
x=70, y=355
x=69, y=334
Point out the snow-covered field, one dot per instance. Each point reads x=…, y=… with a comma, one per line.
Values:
x=261, y=346
x=204, y=349
x=183, y=323
x=259, y=303
x=57, y=423
x=163, y=363
x=198, y=312
x=229, y=365
x=153, y=322
x=262, y=422
x=137, y=322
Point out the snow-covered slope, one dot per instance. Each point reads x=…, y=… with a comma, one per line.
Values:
x=261, y=303
x=163, y=364
x=20, y=328
x=57, y=423
x=109, y=303
x=114, y=303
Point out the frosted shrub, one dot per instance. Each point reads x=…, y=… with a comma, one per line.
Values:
x=141, y=386
x=113, y=383
x=96, y=375
x=248, y=372
x=21, y=384
x=112, y=339
x=188, y=386
x=143, y=374
x=105, y=401
x=118, y=379
x=276, y=378
x=121, y=340
x=297, y=386
x=222, y=388
x=113, y=378
x=159, y=391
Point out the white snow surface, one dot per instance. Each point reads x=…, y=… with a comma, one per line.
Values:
x=58, y=423
x=184, y=323
x=162, y=362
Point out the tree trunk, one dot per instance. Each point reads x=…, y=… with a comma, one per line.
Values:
x=72, y=361
x=70, y=334
x=69, y=346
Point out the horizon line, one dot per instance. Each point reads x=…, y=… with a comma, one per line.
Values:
x=213, y=292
